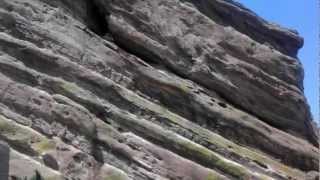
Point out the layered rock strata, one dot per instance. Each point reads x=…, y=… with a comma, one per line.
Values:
x=150, y=89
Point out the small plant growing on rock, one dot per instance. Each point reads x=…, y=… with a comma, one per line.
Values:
x=37, y=176
x=253, y=44
x=250, y=50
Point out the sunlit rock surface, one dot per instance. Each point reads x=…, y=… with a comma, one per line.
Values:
x=150, y=89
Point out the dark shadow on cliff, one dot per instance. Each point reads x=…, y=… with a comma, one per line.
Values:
x=4, y=161
x=97, y=21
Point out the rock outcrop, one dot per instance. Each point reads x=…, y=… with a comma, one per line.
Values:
x=150, y=89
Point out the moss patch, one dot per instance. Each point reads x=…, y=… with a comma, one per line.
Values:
x=24, y=137
x=6, y=128
x=215, y=161
x=182, y=146
x=208, y=136
x=184, y=88
x=17, y=134
x=69, y=87
x=44, y=145
x=212, y=176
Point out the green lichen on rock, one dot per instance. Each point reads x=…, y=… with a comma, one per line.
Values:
x=212, y=176
x=184, y=88
x=214, y=160
x=182, y=146
x=24, y=137
x=150, y=90
x=69, y=87
x=44, y=145
x=17, y=135
x=7, y=128
x=176, y=120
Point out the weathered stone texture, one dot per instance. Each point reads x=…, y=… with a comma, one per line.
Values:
x=151, y=89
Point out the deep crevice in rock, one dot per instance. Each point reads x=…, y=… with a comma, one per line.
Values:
x=99, y=24
x=136, y=50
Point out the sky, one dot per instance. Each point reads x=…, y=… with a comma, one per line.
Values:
x=303, y=16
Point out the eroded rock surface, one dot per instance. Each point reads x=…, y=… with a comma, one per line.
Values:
x=150, y=89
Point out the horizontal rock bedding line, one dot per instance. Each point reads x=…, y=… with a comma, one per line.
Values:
x=150, y=89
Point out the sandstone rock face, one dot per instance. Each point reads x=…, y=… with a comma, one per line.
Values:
x=150, y=89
